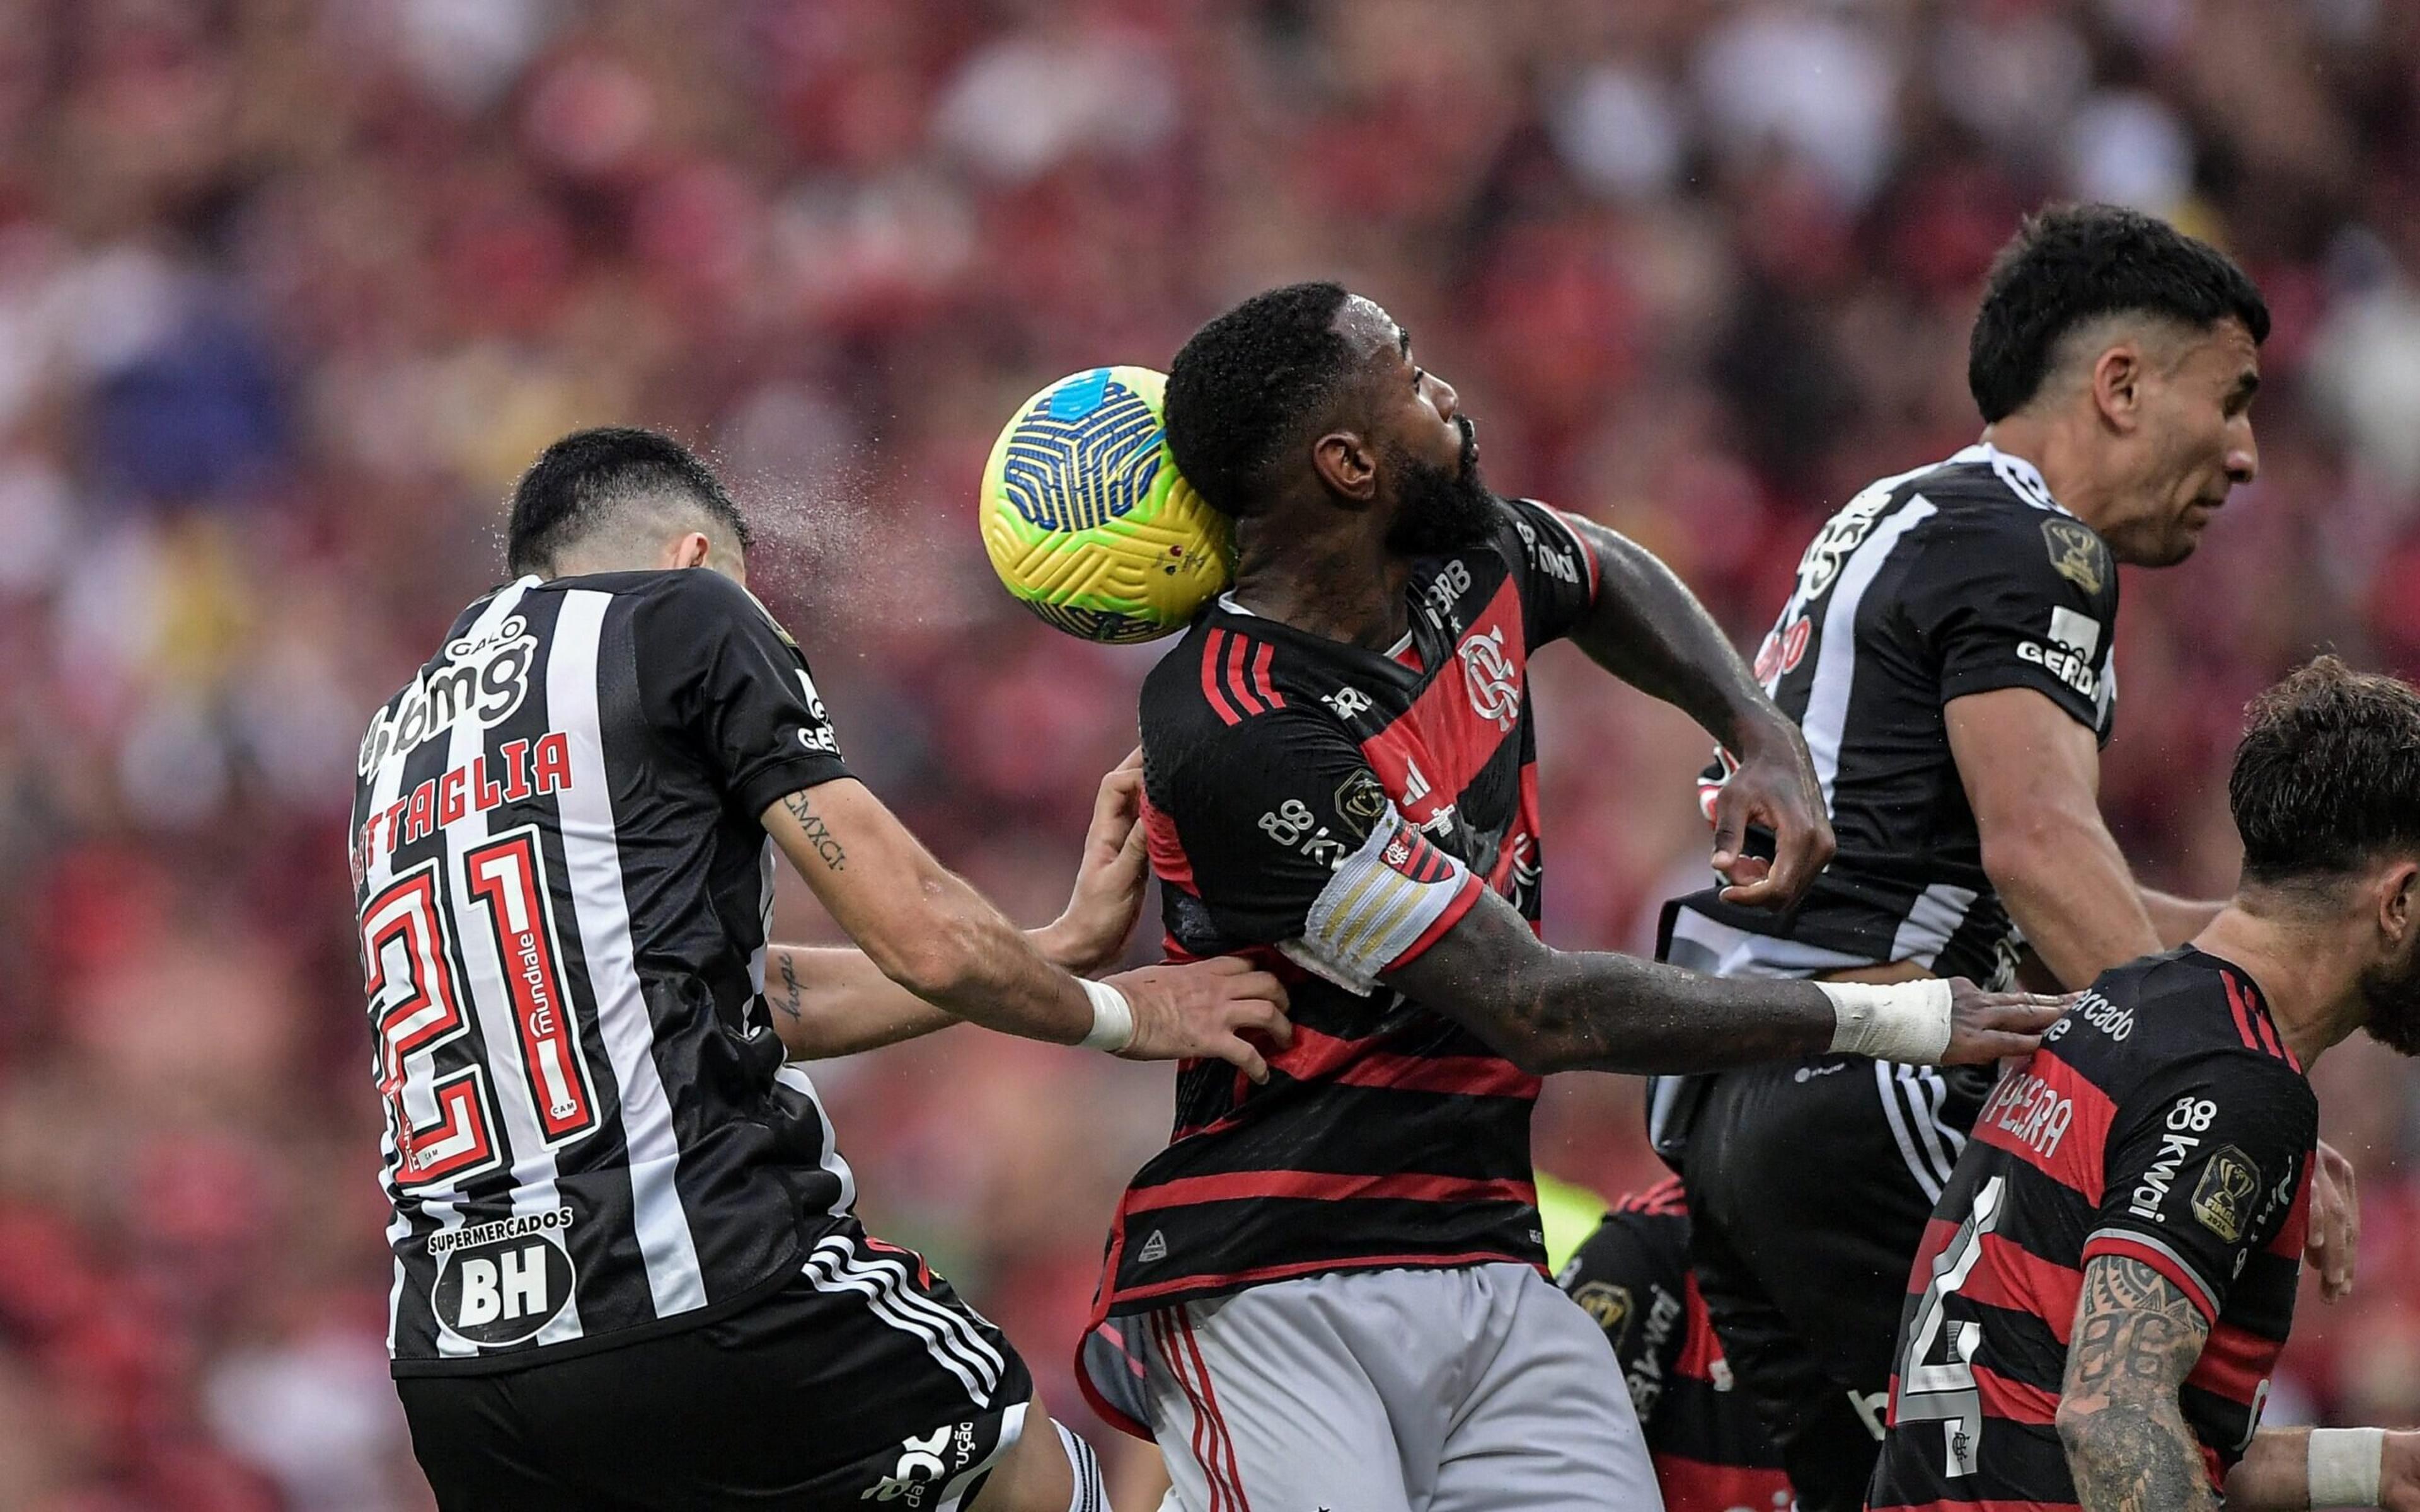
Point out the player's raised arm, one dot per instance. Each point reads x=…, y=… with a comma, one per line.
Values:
x=2284, y=1469
x=834, y=1000
x=1546, y=1009
x=930, y=931
x=1645, y=627
x=723, y=684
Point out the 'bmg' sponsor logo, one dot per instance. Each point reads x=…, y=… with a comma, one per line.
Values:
x=502, y=1290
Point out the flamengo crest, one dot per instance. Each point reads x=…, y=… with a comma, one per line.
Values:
x=1494, y=684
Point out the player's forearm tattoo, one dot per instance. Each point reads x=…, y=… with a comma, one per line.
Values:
x=2136, y=1337
x=793, y=1000
x=820, y=835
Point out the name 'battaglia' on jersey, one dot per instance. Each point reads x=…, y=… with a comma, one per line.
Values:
x=563, y=893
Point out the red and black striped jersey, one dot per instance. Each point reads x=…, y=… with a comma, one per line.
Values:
x=2163, y=1119
x=1331, y=811
x=1711, y=1453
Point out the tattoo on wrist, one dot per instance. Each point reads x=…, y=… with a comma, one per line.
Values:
x=820, y=835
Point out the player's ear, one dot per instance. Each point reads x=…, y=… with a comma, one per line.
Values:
x=2117, y=377
x=1347, y=464
x=2398, y=899
x=689, y=550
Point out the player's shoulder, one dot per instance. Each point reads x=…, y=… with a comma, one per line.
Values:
x=1996, y=510
x=1643, y=1240
x=700, y=587
x=2185, y=1008
x=1533, y=536
x=1234, y=671
x=1658, y=1219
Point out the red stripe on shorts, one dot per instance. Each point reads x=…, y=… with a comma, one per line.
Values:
x=1221, y=1441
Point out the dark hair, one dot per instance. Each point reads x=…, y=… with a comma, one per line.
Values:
x=2328, y=776
x=2074, y=263
x=589, y=476
x=1248, y=382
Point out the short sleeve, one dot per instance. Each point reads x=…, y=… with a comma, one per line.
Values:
x=2018, y=597
x=1293, y=841
x=2204, y=1166
x=1557, y=570
x=718, y=674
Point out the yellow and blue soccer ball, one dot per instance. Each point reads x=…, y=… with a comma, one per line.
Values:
x=1085, y=517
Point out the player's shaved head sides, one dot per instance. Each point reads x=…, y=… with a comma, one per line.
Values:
x=2084, y=271
x=615, y=487
x=1250, y=384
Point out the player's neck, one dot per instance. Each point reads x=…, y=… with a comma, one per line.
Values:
x=2066, y=468
x=1342, y=586
x=2308, y=973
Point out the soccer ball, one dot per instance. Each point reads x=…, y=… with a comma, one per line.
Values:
x=1085, y=517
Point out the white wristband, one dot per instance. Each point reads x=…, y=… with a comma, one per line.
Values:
x=1903, y=1020
x=2345, y=1466
x=1113, y=1025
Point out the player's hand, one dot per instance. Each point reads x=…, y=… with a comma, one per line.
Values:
x=1774, y=787
x=2335, y=1223
x=1109, y=881
x=1984, y=1026
x=1203, y=1010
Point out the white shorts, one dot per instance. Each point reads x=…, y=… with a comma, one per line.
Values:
x=1463, y=1390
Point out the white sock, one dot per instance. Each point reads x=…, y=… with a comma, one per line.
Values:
x=1091, y=1495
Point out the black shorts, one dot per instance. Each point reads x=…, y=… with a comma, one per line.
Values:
x=866, y=1381
x=1809, y=1184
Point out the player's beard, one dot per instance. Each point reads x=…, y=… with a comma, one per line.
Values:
x=2392, y=996
x=1441, y=509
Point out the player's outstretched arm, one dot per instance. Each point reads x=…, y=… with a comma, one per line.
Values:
x=2285, y=1469
x=2135, y=1338
x=1648, y=629
x=1546, y=1009
x=834, y=1000
x=930, y=932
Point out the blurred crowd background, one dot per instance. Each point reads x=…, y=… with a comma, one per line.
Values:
x=290, y=291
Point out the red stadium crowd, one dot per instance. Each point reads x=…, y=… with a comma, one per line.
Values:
x=289, y=292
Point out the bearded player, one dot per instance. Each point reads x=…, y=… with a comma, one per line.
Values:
x=627, y=1268
x=1329, y=1291
x=2110, y=1273
x=1948, y=650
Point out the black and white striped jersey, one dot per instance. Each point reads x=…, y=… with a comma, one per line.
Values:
x=1956, y=579
x=564, y=892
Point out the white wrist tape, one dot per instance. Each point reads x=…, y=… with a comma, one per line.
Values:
x=1903, y=1020
x=1113, y=1025
x=2344, y=1465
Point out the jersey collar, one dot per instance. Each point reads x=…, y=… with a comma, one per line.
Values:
x=1393, y=652
x=2021, y=476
